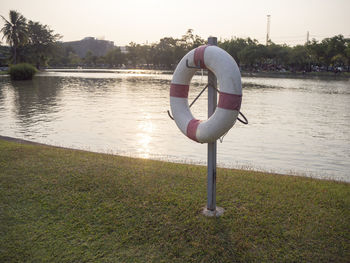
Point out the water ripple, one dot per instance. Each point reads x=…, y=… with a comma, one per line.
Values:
x=297, y=126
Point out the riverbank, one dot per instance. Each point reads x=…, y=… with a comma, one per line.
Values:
x=61, y=205
x=4, y=73
x=260, y=74
x=267, y=74
x=287, y=74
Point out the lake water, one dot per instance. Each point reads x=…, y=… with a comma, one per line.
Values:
x=296, y=126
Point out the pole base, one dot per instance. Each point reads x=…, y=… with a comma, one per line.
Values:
x=209, y=213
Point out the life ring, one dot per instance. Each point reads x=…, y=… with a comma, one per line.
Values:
x=230, y=95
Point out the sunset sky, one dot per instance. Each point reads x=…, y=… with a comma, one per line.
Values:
x=148, y=21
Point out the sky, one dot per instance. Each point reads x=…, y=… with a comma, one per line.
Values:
x=150, y=20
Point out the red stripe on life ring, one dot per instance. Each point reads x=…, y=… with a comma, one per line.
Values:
x=199, y=56
x=178, y=90
x=230, y=101
x=192, y=129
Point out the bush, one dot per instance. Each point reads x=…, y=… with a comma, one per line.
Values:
x=22, y=71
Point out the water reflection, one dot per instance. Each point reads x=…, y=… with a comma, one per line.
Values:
x=2, y=96
x=295, y=125
x=34, y=101
x=144, y=135
x=306, y=85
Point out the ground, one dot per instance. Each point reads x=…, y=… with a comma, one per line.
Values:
x=62, y=205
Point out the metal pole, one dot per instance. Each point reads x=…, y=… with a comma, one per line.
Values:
x=212, y=102
x=268, y=30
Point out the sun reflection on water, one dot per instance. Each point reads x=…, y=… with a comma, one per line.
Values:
x=144, y=136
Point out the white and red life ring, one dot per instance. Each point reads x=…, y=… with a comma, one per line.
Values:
x=230, y=96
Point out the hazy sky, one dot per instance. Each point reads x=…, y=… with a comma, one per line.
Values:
x=141, y=21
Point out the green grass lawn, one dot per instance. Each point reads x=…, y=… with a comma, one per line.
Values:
x=60, y=205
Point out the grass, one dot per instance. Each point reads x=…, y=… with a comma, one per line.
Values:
x=60, y=205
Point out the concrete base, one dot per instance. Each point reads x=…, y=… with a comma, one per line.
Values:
x=218, y=212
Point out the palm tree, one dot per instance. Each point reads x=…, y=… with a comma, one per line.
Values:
x=15, y=31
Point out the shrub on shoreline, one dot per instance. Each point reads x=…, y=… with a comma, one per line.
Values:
x=22, y=71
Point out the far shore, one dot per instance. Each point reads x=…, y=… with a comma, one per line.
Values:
x=258, y=74
x=267, y=74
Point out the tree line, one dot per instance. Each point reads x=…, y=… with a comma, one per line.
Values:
x=29, y=41
x=37, y=44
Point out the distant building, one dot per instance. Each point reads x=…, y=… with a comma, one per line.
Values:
x=123, y=49
x=96, y=46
